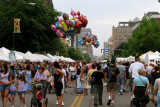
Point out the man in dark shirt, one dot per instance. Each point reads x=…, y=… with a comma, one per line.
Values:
x=98, y=85
x=112, y=74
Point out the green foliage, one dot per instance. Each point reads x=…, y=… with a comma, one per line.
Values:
x=36, y=34
x=146, y=37
x=78, y=55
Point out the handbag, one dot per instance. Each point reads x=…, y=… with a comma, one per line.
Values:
x=145, y=98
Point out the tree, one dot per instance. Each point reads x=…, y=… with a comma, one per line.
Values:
x=145, y=38
x=36, y=34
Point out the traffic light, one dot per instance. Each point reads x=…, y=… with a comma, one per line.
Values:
x=159, y=0
x=101, y=50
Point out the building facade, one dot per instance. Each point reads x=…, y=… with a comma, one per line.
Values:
x=122, y=33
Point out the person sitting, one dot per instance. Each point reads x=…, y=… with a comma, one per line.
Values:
x=39, y=95
x=140, y=90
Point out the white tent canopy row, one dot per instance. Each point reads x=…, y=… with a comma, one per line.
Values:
x=28, y=56
x=128, y=59
x=57, y=58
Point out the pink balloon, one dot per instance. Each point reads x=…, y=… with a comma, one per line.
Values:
x=58, y=32
x=53, y=27
x=73, y=13
x=61, y=35
x=67, y=22
x=60, y=20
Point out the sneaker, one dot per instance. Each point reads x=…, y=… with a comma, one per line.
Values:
x=57, y=102
x=12, y=105
x=24, y=105
x=109, y=102
x=62, y=103
x=92, y=97
x=112, y=104
x=121, y=92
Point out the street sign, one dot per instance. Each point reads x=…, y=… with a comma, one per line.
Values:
x=106, y=49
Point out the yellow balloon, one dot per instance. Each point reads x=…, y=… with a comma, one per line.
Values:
x=64, y=25
x=87, y=43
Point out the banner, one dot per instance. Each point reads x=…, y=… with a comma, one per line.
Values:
x=17, y=25
x=12, y=57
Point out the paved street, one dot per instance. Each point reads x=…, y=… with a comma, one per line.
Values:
x=73, y=100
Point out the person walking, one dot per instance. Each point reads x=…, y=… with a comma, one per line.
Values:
x=122, y=76
x=72, y=72
x=133, y=70
x=4, y=83
x=58, y=85
x=140, y=89
x=27, y=75
x=156, y=92
x=98, y=85
x=91, y=80
x=84, y=77
x=112, y=74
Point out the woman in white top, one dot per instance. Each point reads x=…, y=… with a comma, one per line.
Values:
x=72, y=73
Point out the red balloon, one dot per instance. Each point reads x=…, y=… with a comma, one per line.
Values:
x=53, y=27
x=78, y=13
x=79, y=24
x=84, y=43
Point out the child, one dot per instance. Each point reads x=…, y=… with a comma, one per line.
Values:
x=12, y=91
x=21, y=90
x=39, y=95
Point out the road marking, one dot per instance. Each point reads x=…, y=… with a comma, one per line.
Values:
x=74, y=102
x=79, y=102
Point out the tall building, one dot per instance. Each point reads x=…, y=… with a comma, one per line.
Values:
x=105, y=51
x=123, y=32
x=154, y=15
x=84, y=49
x=110, y=46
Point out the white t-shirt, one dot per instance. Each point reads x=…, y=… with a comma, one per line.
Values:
x=134, y=69
x=63, y=75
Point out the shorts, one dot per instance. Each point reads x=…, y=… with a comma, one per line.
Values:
x=111, y=86
x=85, y=82
x=12, y=92
x=73, y=77
x=4, y=87
x=21, y=92
x=127, y=81
x=58, y=88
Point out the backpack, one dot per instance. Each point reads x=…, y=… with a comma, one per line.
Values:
x=86, y=70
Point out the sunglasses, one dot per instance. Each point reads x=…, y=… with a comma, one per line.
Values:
x=60, y=65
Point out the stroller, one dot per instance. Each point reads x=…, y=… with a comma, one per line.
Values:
x=34, y=101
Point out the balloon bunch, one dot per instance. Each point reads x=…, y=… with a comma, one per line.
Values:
x=89, y=40
x=70, y=27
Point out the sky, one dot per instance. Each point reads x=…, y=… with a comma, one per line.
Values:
x=102, y=15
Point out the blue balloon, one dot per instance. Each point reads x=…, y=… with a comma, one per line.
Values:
x=83, y=37
x=80, y=41
x=57, y=24
x=71, y=33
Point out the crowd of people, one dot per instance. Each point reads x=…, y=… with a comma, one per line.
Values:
x=137, y=77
